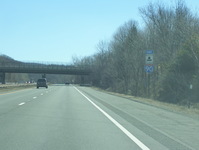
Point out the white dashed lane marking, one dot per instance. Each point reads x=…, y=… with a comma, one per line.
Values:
x=30, y=100
x=21, y=103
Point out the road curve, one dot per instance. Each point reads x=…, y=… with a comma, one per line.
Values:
x=81, y=118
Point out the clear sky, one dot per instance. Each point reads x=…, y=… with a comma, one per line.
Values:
x=57, y=30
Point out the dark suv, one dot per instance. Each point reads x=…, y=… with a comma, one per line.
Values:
x=42, y=83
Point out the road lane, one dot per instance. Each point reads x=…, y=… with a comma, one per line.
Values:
x=59, y=119
x=131, y=136
x=10, y=100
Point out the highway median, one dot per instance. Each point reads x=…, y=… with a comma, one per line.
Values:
x=12, y=87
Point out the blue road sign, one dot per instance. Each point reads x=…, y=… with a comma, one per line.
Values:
x=149, y=51
x=149, y=68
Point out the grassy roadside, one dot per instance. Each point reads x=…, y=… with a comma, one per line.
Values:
x=193, y=111
x=14, y=87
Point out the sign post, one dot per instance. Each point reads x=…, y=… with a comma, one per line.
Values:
x=149, y=68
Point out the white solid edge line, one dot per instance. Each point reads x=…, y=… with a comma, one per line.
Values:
x=21, y=103
x=132, y=137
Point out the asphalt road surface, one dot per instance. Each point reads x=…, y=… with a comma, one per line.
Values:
x=81, y=118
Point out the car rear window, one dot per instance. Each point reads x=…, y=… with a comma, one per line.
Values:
x=41, y=80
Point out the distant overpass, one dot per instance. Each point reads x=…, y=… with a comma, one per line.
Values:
x=18, y=67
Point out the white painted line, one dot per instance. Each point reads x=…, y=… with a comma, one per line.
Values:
x=21, y=103
x=124, y=130
x=34, y=97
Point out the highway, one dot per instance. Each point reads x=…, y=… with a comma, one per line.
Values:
x=81, y=118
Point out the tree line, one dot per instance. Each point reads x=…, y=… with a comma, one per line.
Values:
x=173, y=33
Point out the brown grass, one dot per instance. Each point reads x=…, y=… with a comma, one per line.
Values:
x=192, y=111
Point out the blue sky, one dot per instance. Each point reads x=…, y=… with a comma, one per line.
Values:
x=57, y=30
